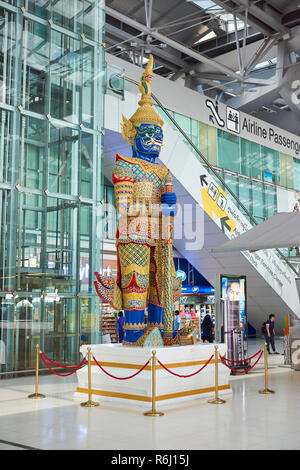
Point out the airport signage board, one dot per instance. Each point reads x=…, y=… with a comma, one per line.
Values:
x=236, y=122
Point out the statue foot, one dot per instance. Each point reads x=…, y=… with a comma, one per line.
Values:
x=150, y=339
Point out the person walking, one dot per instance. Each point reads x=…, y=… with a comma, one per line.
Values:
x=207, y=329
x=269, y=332
x=120, y=326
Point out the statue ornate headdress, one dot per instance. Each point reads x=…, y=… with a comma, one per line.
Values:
x=145, y=114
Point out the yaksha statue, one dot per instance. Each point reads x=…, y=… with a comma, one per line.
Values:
x=147, y=205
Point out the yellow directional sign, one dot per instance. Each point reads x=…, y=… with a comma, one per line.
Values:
x=214, y=203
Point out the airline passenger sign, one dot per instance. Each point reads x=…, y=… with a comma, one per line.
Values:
x=233, y=120
x=218, y=114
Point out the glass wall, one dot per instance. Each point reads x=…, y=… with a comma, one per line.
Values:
x=296, y=172
x=250, y=159
x=52, y=82
x=251, y=170
x=208, y=143
x=110, y=213
x=229, y=155
x=286, y=171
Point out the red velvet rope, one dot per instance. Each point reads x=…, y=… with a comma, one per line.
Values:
x=190, y=375
x=55, y=363
x=120, y=378
x=243, y=360
x=241, y=371
x=62, y=375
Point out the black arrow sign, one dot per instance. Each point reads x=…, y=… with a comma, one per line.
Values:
x=203, y=180
x=224, y=224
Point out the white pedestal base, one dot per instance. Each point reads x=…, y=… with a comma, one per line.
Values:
x=123, y=361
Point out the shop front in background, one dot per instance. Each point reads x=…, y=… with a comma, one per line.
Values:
x=194, y=304
x=109, y=315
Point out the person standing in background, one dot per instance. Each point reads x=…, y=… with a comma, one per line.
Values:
x=120, y=326
x=177, y=322
x=270, y=333
x=207, y=329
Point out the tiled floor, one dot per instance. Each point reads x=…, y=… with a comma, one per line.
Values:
x=248, y=420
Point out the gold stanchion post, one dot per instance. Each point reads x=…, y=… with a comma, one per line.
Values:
x=153, y=411
x=266, y=390
x=37, y=394
x=216, y=400
x=89, y=403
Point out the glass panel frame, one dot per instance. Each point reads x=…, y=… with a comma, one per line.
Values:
x=229, y=156
x=51, y=166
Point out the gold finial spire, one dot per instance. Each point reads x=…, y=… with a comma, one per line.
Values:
x=145, y=114
x=146, y=79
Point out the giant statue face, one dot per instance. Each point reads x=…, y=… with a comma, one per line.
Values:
x=148, y=141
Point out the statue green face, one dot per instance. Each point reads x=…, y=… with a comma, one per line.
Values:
x=148, y=142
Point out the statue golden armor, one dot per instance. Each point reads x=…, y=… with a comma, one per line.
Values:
x=143, y=195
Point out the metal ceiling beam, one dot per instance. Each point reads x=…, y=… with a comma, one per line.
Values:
x=267, y=44
x=224, y=78
x=238, y=49
x=259, y=81
x=227, y=43
x=244, y=40
x=174, y=44
x=161, y=53
x=176, y=76
x=288, y=73
x=209, y=75
x=256, y=21
x=162, y=63
x=259, y=96
x=165, y=13
x=148, y=12
x=217, y=86
x=269, y=16
x=265, y=95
